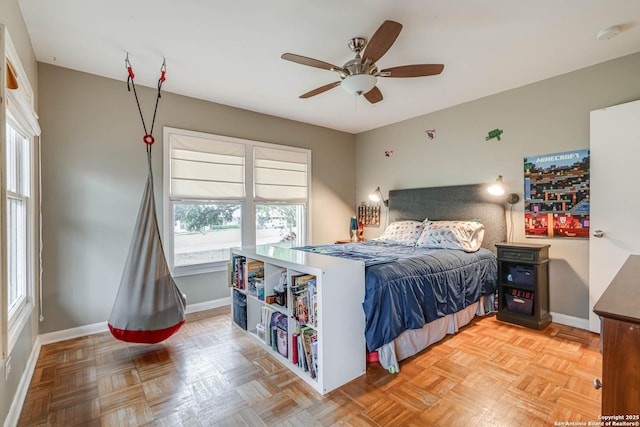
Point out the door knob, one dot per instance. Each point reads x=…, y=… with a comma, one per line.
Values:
x=598, y=233
x=597, y=384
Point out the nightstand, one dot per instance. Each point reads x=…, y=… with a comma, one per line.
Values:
x=523, y=284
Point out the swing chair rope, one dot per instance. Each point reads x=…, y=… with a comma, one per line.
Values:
x=148, y=138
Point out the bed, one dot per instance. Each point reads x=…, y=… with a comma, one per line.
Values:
x=415, y=296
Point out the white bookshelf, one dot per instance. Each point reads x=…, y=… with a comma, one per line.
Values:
x=340, y=317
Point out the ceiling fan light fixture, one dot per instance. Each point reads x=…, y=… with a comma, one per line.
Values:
x=358, y=84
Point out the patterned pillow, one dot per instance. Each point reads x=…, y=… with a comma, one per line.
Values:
x=465, y=235
x=403, y=232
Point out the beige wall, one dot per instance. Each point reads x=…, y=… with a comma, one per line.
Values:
x=545, y=117
x=94, y=170
x=11, y=17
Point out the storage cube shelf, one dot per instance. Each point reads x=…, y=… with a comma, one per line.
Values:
x=319, y=328
x=523, y=284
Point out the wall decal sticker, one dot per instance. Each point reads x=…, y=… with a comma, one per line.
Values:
x=496, y=133
x=431, y=133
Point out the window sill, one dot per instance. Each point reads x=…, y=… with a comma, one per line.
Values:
x=16, y=327
x=192, y=270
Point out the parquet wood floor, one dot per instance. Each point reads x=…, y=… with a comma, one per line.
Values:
x=210, y=373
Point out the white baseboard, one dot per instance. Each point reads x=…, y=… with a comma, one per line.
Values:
x=98, y=328
x=23, y=387
x=565, y=319
x=68, y=334
x=208, y=305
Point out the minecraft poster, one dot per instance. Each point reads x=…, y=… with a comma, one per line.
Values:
x=556, y=195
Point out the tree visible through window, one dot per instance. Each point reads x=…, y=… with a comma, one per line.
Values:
x=278, y=223
x=201, y=218
x=204, y=233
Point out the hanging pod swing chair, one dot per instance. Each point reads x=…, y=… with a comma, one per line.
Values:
x=149, y=307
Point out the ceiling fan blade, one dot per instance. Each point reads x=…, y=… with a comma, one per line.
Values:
x=299, y=59
x=417, y=70
x=374, y=95
x=319, y=90
x=381, y=41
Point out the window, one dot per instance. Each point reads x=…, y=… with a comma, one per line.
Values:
x=20, y=127
x=223, y=192
x=204, y=232
x=18, y=214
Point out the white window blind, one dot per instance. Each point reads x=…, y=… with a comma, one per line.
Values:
x=280, y=175
x=203, y=168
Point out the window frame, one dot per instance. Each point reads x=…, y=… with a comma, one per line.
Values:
x=16, y=316
x=17, y=112
x=248, y=203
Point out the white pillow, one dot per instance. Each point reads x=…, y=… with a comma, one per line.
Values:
x=403, y=232
x=465, y=235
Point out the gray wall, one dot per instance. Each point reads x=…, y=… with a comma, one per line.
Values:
x=11, y=17
x=545, y=117
x=94, y=170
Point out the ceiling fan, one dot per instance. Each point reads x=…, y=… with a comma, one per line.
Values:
x=359, y=75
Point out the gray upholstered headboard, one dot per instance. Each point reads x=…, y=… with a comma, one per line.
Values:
x=459, y=202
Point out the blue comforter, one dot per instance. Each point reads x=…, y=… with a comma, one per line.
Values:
x=408, y=286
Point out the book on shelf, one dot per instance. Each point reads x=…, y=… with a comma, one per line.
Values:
x=314, y=353
x=302, y=361
x=237, y=271
x=300, y=280
x=304, y=295
x=274, y=338
x=283, y=344
x=280, y=338
x=265, y=320
x=258, y=284
x=313, y=310
x=301, y=307
x=253, y=270
x=309, y=338
x=294, y=348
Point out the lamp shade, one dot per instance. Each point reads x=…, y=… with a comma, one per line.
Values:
x=357, y=84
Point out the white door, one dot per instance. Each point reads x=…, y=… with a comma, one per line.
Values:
x=615, y=196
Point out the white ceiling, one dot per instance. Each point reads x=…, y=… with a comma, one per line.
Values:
x=229, y=51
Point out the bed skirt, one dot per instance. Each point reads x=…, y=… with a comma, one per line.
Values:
x=413, y=341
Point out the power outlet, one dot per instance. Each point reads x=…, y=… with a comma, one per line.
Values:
x=7, y=368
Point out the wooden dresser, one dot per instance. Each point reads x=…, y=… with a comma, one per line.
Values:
x=619, y=310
